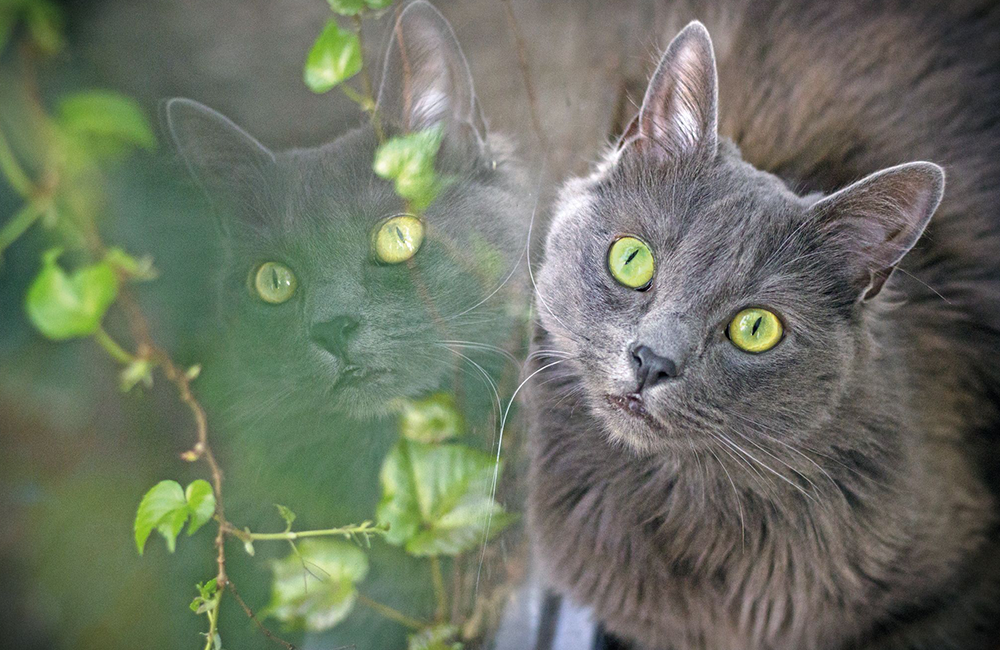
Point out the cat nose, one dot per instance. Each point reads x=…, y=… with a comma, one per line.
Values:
x=334, y=335
x=651, y=368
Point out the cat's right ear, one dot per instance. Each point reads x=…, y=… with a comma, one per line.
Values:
x=426, y=80
x=228, y=163
x=679, y=115
x=873, y=223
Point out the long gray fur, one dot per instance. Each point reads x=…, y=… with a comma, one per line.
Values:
x=838, y=491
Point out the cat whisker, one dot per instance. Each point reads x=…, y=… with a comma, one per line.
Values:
x=496, y=467
x=771, y=470
x=482, y=346
x=775, y=457
x=485, y=375
x=538, y=294
x=741, y=460
x=786, y=445
x=739, y=503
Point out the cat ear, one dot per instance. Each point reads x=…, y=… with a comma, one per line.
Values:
x=224, y=159
x=426, y=80
x=679, y=114
x=878, y=219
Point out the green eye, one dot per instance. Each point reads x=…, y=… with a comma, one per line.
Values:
x=755, y=330
x=631, y=262
x=398, y=239
x=275, y=283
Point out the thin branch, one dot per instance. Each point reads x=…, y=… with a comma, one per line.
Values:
x=17, y=225
x=366, y=85
x=13, y=171
x=529, y=86
x=111, y=347
x=439, y=594
x=391, y=613
x=290, y=535
x=260, y=626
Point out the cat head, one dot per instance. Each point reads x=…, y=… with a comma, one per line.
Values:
x=695, y=295
x=333, y=292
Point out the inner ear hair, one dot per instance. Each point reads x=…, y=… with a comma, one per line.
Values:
x=877, y=220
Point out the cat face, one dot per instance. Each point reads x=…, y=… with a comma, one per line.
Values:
x=699, y=300
x=332, y=290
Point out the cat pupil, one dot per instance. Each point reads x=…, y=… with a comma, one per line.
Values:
x=399, y=233
x=632, y=256
x=756, y=325
x=274, y=278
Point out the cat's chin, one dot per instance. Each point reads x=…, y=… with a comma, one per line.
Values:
x=631, y=425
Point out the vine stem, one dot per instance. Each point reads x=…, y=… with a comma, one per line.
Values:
x=213, y=625
x=439, y=594
x=291, y=535
x=201, y=450
x=392, y=613
x=12, y=169
x=116, y=351
x=17, y=225
x=260, y=626
x=367, y=87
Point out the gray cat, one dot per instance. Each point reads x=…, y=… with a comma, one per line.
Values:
x=749, y=431
x=335, y=304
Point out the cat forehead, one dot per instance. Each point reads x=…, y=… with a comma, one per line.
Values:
x=729, y=202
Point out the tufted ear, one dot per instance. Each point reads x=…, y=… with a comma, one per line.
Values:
x=877, y=220
x=426, y=80
x=228, y=163
x=679, y=114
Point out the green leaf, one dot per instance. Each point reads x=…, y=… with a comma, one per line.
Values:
x=436, y=498
x=136, y=372
x=408, y=160
x=65, y=306
x=335, y=57
x=433, y=419
x=207, y=595
x=138, y=268
x=347, y=7
x=438, y=637
x=160, y=508
x=45, y=24
x=166, y=507
x=106, y=118
x=201, y=504
x=286, y=514
x=379, y=4
x=315, y=589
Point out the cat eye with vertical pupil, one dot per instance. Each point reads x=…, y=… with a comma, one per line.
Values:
x=755, y=330
x=274, y=283
x=398, y=238
x=631, y=262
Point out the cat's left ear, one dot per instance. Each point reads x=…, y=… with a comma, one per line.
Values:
x=426, y=80
x=877, y=220
x=679, y=115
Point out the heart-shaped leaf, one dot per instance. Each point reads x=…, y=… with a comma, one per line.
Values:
x=64, y=306
x=408, y=160
x=162, y=504
x=436, y=498
x=167, y=506
x=201, y=504
x=335, y=57
x=315, y=588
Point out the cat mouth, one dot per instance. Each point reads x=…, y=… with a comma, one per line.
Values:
x=352, y=374
x=630, y=404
